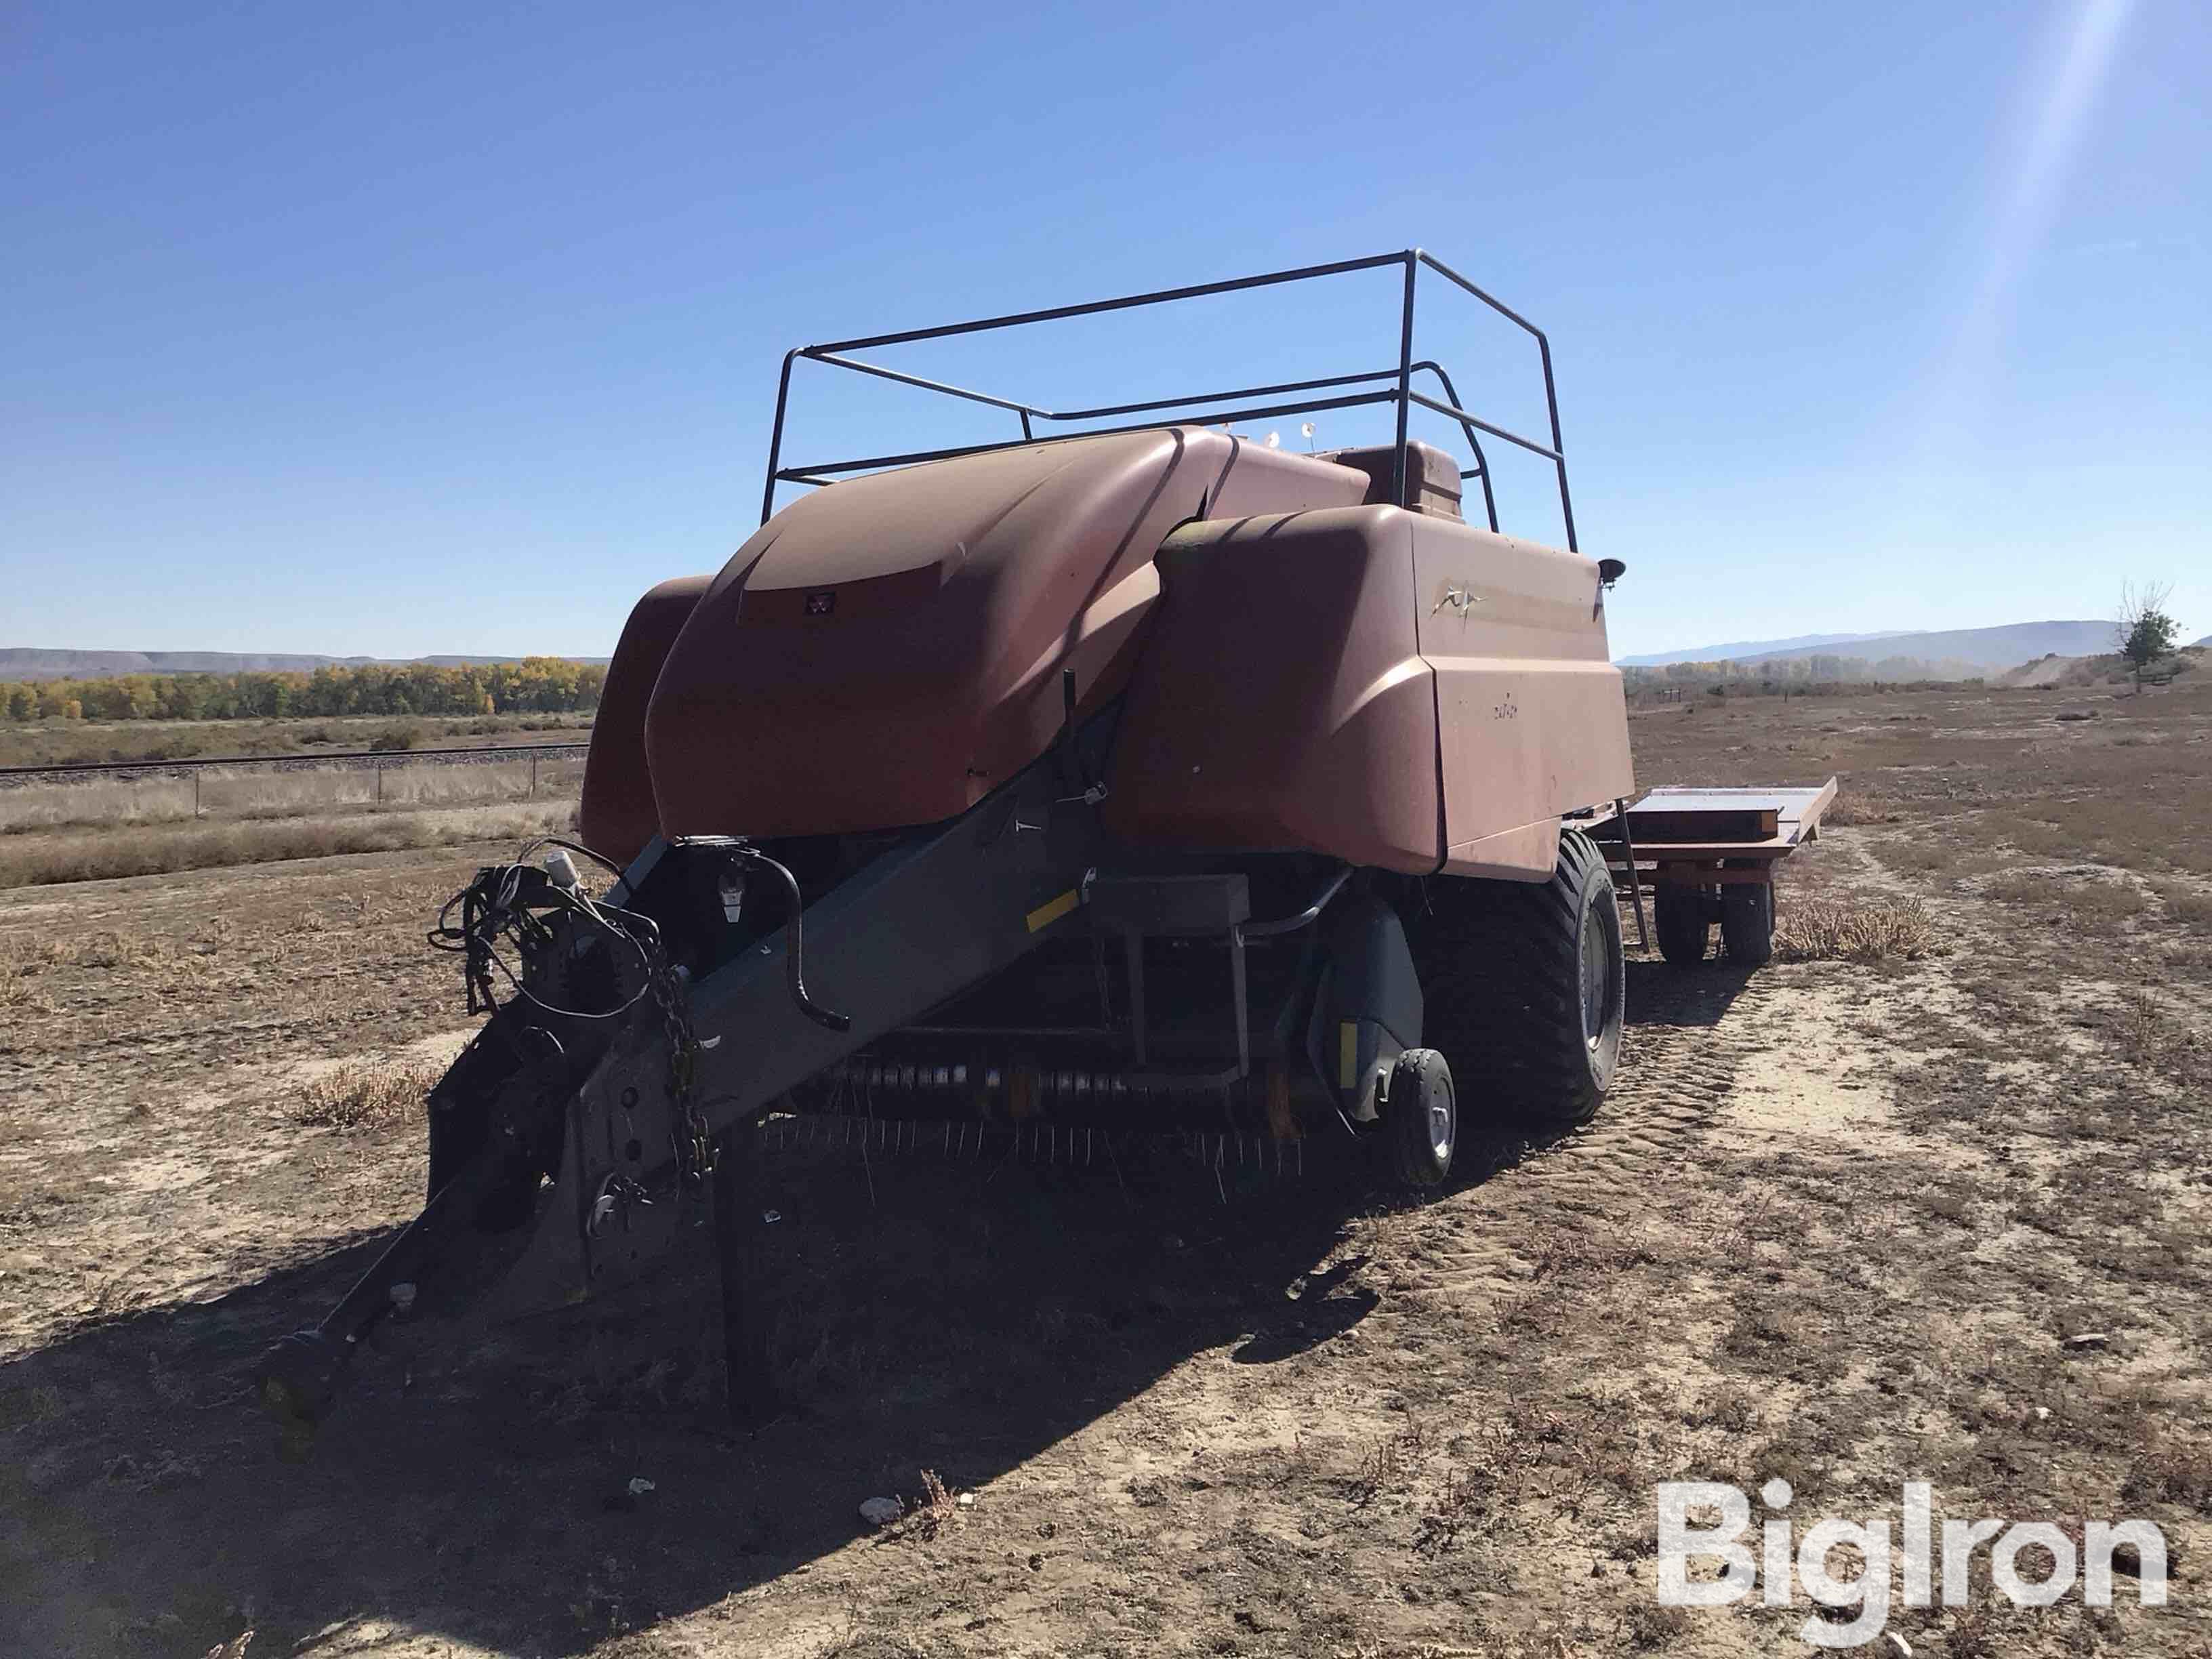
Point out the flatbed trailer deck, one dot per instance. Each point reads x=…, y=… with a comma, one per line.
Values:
x=1710, y=855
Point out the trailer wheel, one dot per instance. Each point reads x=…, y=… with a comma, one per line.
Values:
x=1421, y=1118
x=1679, y=918
x=1523, y=986
x=1748, y=923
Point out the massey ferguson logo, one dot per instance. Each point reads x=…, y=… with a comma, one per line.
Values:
x=822, y=604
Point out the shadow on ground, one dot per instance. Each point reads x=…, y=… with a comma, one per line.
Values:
x=927, y=1314
x=1660, y=996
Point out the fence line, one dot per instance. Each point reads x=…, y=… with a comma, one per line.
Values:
x=378, y=758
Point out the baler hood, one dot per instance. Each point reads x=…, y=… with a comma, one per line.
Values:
x=888, y=651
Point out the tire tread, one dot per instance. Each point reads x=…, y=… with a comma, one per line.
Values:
x=1501, y=986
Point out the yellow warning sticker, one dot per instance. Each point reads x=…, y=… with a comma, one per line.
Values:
x=1047, y=914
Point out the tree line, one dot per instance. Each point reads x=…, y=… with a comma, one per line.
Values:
x=1798, y=673
x=543, y=685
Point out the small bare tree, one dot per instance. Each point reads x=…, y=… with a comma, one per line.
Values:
x=2144, y=632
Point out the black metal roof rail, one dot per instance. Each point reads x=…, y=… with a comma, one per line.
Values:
x=1401, y=396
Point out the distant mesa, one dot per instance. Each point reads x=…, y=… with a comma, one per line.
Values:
x=1973, y=649
x=32, y=663
x=1744, y=650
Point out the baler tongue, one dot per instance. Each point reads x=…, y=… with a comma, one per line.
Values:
x=592, y=988
x=303, y=1374
x=578, y=1132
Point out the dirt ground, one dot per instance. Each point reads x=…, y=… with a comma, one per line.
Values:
x=1837, y=1224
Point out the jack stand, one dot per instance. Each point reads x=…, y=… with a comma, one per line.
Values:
x=739, y=1218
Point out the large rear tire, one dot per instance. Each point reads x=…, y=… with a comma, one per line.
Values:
x=1748, y=923
x=1679, y=918
x=1523, y=986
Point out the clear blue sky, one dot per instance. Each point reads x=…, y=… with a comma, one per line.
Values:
x=399, y=329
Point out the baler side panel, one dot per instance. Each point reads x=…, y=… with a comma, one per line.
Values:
x=1280, y=702
x=1534, y=717
x=618, y=815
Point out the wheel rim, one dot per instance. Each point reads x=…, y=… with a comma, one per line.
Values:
x=1597, y=978
x=1441, y=1126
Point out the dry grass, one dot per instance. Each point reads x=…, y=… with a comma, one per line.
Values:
x=2148, y=1037
x=2171, y=1470
x=2118, y=824
x=2090, y=899
x=31, y=860
x=19, y=993
x=260, y=792
x=1940, y=859
x=1384, y=1466
x=2110, y=899
x=108, y=949
x=1809, y=929
x=60, y=742
x=124, y=800
x=1859, y=803
x=1651, y=1626
x=2183, y=903
x=1937, y=857
x=2017, y=889
x=937, y=1507
x=366, y=1094
x=24, y=962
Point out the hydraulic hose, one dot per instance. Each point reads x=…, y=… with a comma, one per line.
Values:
x=793, y=957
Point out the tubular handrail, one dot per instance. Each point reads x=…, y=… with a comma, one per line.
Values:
x=1401, y=396
x=1481, y=467
x=798, y=476
x=1550, y=386
x=1466, y=419
x=1468, y=423
x=1216, y=396
x=838, y=360
x=1158, y=296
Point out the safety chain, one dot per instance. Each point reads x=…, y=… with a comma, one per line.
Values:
x=694, y=1139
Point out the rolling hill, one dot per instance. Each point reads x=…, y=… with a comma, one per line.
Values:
x=1990, y=648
